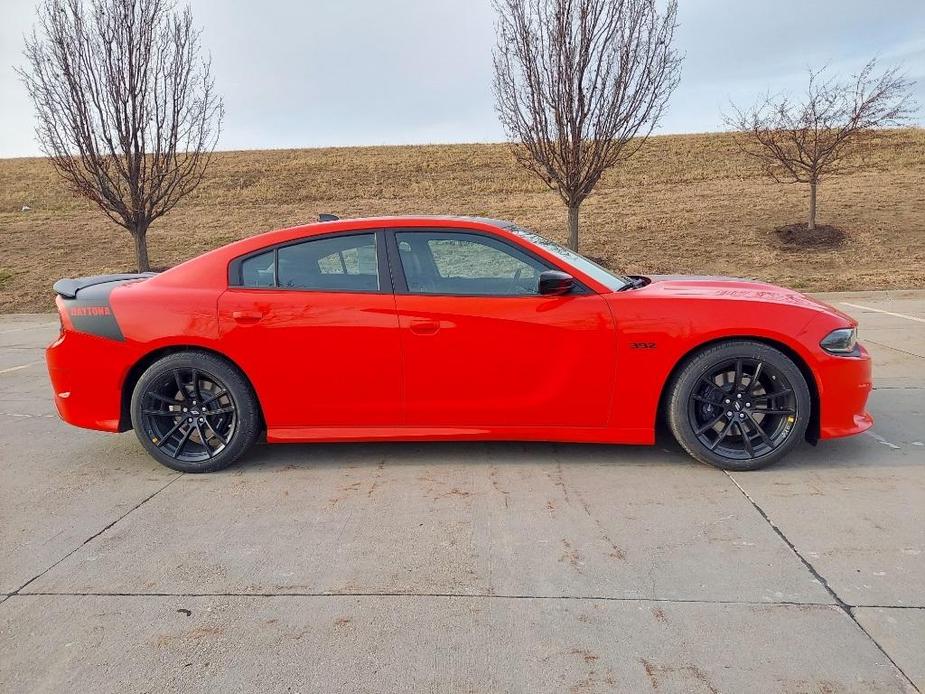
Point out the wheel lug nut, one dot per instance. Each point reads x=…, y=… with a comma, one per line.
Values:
x=748, y=404
x=741, y=416
x=201, y=420
x=190, y=419
x=729, y=414
x=738, y=396
x=727, y=401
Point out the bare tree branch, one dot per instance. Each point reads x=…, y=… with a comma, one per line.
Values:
x=580, y=85
x=807, y=141
x=127, y=110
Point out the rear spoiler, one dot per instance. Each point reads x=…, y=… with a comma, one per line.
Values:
x=68, y=288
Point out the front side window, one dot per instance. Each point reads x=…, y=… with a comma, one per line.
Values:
x=334, y=263
x=438, y=262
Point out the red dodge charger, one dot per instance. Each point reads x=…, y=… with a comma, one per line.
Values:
x=437, y=328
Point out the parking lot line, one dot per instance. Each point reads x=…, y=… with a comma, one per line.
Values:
x=889, y=313
x=28, y=327
x=18, y=368
x=879, y=439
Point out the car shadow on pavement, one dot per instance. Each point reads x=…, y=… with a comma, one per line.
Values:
x=458, y=452
x=850, y=453
x=855, y=452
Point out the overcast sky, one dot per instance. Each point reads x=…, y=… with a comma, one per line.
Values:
x=308, y=73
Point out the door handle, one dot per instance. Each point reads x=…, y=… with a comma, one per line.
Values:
x=423, y=326
x=246, y=317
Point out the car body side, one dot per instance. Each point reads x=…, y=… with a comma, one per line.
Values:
x=650, y=330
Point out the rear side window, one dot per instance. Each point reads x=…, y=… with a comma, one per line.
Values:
x=345, y=263
x=259, y=271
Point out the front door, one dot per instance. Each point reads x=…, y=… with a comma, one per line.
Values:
x=314, y=326
x=483, y=348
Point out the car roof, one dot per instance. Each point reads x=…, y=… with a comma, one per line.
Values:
x=399, y=220
x=218, y=258
x=352, y=224
x=211, y=268
x=361, y=223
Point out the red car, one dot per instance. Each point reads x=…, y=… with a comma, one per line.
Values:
x=439, y=328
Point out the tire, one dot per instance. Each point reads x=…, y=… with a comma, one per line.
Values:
x=190, y=432
x=753, y=394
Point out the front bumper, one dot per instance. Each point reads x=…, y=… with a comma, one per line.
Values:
x=844, y=384
x=86, y=377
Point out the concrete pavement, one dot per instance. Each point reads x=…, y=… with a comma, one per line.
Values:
x=465, y=567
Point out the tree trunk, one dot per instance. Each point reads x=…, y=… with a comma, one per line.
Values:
x=141, y=248
x=573, y=227
x=811, y=223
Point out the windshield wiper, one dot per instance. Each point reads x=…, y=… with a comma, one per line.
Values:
x=633, y=283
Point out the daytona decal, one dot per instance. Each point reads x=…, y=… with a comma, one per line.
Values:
x=89, y=311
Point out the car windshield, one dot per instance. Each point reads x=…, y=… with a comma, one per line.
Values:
x=610, y=280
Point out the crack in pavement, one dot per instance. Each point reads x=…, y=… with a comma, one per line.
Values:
x=841, y=604
x=471, y=596
x=895, y=349
x=91, y=538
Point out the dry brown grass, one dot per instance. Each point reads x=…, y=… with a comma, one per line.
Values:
x=684, y=204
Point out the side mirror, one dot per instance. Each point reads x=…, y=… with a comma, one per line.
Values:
x=555, y=283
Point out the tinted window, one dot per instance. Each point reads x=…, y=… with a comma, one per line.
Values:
x=259, y=271
x=336, y=263
x=466, y=263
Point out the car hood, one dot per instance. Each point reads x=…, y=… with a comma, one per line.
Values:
x=734, y=289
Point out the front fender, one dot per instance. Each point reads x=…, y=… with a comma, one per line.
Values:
x=653, y=344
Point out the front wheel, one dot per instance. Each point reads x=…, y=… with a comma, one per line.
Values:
x=739, y=405
x=194, y=412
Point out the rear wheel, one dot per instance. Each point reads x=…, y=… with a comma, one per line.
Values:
x=194, y=412
x=739, y=405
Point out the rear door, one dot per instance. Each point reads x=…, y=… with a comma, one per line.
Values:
x=483, y=348
x=314, y=325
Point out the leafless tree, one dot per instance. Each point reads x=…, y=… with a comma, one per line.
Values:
x=806, y=140
x=580, y=84
x=127, y=110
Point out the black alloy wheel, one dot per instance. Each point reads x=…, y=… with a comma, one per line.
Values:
x=739, y=405
x=742, y=409
x=188, y=414
x=194, y=412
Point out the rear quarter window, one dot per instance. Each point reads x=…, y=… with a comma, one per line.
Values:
x=259, y=271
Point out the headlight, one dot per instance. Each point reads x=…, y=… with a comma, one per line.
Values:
x=841, y=341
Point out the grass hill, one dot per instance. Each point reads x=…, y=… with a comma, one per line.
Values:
x=684, y=204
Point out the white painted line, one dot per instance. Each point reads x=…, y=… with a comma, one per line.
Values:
x=881, y=440
x=31, y=327
x=889, y=313
x=17, y=368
